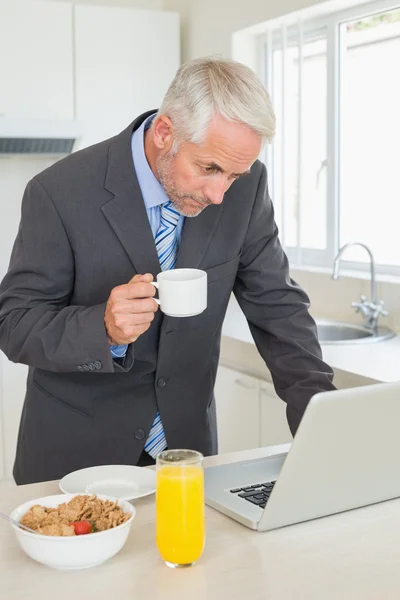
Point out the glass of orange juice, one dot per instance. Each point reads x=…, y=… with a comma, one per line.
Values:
x=180, y=519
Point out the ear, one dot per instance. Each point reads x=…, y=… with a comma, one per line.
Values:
x=163, y=133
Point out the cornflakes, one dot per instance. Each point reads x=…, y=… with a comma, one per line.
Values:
x=101, y=514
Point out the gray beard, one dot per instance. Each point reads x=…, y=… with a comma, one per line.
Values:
x=176, y=197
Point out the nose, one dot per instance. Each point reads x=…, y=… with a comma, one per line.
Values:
x=215, y=191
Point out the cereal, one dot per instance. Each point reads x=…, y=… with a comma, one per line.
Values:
x=59, y=521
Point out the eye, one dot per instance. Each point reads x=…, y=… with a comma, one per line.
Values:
x=209, y=169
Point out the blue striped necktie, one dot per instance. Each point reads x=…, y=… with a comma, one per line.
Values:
x=167, y=248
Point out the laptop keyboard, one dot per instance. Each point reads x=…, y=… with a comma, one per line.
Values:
x=257, y=494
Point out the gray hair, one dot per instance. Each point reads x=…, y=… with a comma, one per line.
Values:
x=205, y=87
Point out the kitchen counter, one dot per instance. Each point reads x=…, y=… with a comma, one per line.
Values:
x=351, y=556
x=375, y=361
x=378, y=361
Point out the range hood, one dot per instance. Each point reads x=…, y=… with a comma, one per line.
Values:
x=37, y=136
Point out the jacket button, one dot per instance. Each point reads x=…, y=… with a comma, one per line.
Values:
x=85, y=367
x=92, y=367
x=80, y=368
x=97, y=364
x=139, y=434
x=161, y=382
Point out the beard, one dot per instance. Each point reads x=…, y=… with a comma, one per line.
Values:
x=165, y=172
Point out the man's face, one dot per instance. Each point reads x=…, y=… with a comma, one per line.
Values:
x=199, y=175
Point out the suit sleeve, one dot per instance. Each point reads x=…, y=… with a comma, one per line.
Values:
x=276, y=309
x=38, y=326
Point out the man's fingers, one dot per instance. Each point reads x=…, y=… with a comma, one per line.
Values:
x=146, y=278
x=130, y=309
x=139, y=305
x=139, y=290
x=131, y=291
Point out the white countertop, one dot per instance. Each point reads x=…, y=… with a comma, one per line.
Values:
x=378, y=361
x=351, y=556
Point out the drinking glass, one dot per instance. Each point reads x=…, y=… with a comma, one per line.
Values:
x=180, y=518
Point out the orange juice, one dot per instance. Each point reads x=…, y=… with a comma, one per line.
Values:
x=180, y=513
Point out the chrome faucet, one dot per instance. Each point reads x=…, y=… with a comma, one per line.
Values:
x=373, y=309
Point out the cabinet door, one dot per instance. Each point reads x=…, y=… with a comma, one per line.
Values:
x=2, y=426
x=273, y=423
x=13, y=387
x=36, y=59
x=125, y=61
x=237, y=401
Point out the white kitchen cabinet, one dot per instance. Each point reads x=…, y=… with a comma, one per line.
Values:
x=36, y=59
x=125, y=61
x=237, y=402
x=13, y=384
x=249, y=412
x=274, y=428
x=2, y=425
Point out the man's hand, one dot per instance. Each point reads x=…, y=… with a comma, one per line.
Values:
x=130, y=310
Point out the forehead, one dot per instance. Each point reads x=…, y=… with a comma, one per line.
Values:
x=233, y=146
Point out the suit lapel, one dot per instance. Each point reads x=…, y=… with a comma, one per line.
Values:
x=125, y=211
x=196, y=236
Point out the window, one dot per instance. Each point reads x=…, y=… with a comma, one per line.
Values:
x=333, y=166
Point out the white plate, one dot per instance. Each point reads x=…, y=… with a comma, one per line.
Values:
x=120, y=481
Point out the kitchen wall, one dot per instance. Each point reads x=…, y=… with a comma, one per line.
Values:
x=149, y=4
x=332, y=299
x=209, y=24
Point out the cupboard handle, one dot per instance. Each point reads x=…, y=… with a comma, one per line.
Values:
x=245, y=384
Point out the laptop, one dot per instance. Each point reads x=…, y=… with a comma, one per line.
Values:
x=345, y=454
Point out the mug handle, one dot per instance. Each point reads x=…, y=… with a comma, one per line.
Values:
x=157, y=287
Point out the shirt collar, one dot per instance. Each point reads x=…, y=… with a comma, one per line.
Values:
x=152, y=191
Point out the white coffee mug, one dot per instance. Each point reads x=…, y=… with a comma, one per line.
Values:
x=182, y=292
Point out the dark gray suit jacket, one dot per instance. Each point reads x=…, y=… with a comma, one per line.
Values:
x=84, y=230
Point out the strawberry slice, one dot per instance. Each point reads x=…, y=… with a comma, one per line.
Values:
x=82, y=527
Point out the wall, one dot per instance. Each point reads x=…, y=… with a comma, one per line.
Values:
x=332, y=299
x=182, y=7
x=209, y=24
x=149, y=4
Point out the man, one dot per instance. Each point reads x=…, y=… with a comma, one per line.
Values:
x=112, y=380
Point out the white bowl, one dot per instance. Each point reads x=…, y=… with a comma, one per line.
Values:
x=74, y=552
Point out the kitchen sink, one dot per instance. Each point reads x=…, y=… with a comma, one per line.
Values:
x=336, y=332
